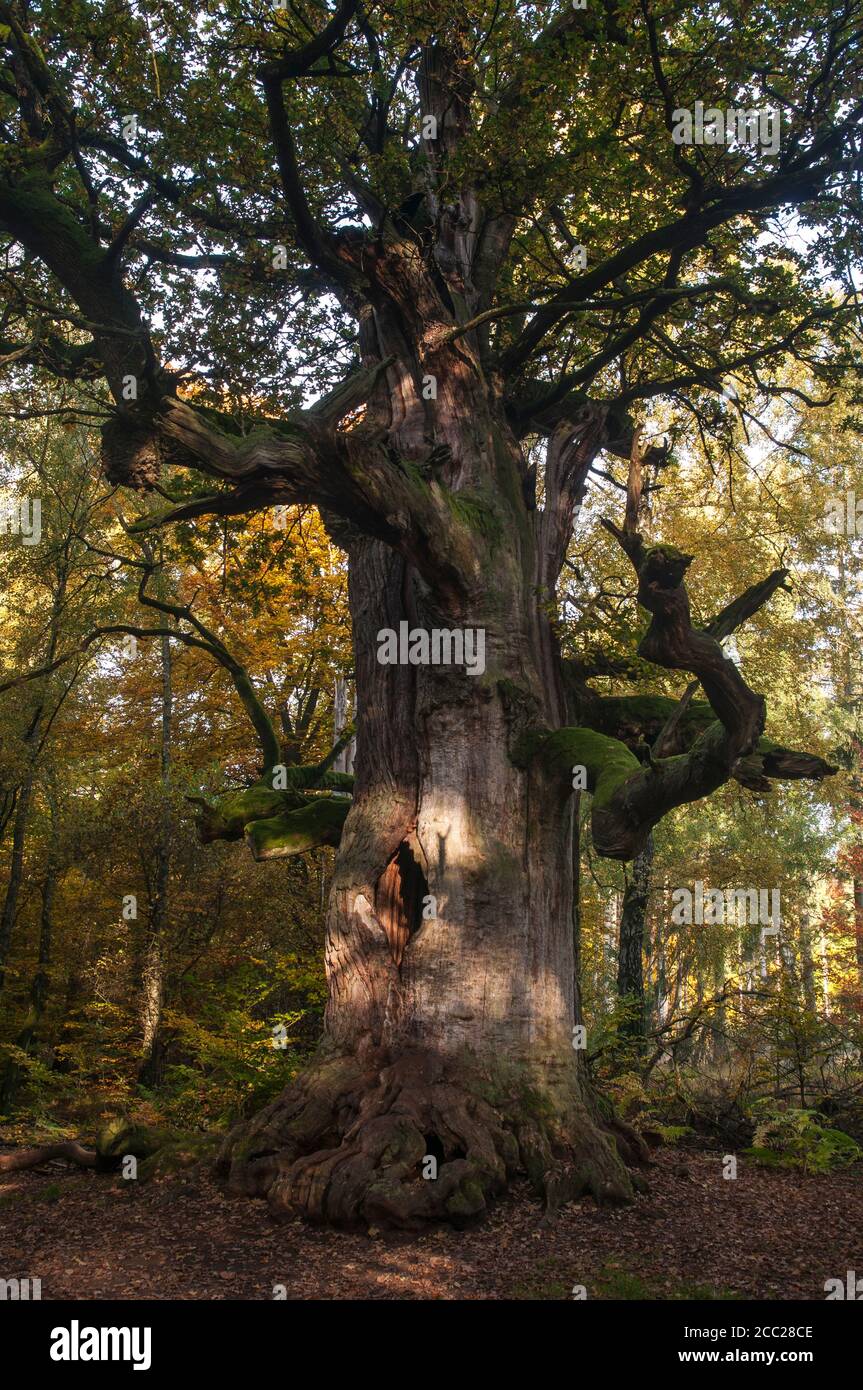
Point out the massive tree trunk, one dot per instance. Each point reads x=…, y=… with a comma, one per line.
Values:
x=449, y=935
x=449, y=942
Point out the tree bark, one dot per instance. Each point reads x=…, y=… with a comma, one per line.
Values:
x=449, y=937
x=858, y=926
x=345, y=760
x=153, y=965
x=16, y=868
x=14, y=1073
x=33, y=743
x=630, y=958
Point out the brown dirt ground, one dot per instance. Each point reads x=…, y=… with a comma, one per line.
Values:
x=768, y=1234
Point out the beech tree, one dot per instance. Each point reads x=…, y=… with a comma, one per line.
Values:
x=468, y=233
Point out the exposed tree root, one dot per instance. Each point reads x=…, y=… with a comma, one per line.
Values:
x=346, y=1143
x=119, y=1138
x=31, y=1158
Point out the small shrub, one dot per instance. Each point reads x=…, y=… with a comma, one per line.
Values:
x=794, y=1138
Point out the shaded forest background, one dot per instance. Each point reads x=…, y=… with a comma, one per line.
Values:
x=147, y=975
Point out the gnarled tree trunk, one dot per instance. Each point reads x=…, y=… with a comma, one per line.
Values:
x=449, y=935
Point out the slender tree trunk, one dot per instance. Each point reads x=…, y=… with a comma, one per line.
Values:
x=153, y=967
x=576, y=902
x=33, y=747
x=719, y=1019
x=345, y=760
x=8, y=802
x=660, y=989
x=39, y=988
x=858, y=927
x=807, y=964
x=26, y=1039
x=630, y=959
x=16, y=868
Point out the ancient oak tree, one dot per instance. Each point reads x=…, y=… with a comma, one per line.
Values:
x=471, y=234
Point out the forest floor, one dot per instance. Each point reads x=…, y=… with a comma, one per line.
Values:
x=768, y=1234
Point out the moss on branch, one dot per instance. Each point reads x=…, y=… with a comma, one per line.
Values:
x=318, y=822
x=229, y=817
x=629, y=797
x=642, y=717
x=608, y=763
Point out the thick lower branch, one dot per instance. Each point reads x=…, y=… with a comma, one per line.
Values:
x=629, y=798
x=351, y=474
x=319, y=822
x=306, y=808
